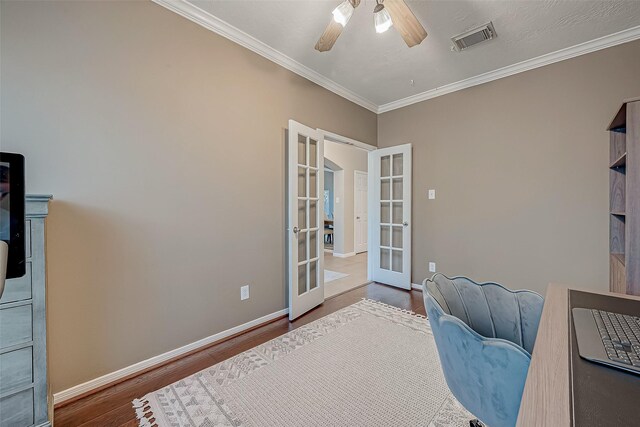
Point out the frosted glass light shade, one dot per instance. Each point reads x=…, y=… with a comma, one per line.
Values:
x=382, y=20
x=343, y=12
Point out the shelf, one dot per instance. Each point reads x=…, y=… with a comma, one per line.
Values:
x=619, y=257
x=621, y=161
x=618, y=213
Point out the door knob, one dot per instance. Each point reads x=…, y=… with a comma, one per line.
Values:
x=357, y=217
x=406, y=224
x=295, y=230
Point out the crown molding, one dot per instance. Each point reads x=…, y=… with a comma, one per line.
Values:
x=611, y=40
x=218, y=26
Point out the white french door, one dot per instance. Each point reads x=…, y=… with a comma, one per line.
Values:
x=305, y=218
x=360, y=209
x=390, y=216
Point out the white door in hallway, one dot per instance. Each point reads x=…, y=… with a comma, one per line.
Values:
x=305, y=218
x=390, y=216
x=360, y=210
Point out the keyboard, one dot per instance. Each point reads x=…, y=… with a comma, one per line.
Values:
x=608, y=338
x=620, y=335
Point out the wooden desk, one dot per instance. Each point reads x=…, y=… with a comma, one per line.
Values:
x=546, y=400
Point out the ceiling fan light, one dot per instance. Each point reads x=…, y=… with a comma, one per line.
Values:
x=343, y=12
x=381, y=18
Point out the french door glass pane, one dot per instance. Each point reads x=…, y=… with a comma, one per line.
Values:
x=397, y=164
x=397, y=188
x=302, y=246
x=396, y=261
x=302, y=279
x=302, y=214
x=313, y=244
x=385, y=213
x=397, y=237
x=397, y=212
x=385, y=239
x=385, y=166
x=313, y=275
x=313, y=183
x=385, y=262
x=385, y=189
x=313, y=214
x=313, y=153
x=302, y=150
x=302, y=182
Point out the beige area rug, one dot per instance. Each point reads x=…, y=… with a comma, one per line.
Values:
x=368, y=364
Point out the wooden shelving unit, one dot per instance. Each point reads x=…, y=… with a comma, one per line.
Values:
x=624, y=199
x=621, y=161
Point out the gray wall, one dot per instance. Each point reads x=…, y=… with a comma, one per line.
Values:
x=520, y=168
x=163, y=146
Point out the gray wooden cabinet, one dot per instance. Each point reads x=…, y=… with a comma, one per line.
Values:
x=23, y=333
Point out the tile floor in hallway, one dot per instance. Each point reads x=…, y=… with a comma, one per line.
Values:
x=355, y=267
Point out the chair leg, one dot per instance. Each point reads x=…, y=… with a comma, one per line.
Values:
x=475, y=423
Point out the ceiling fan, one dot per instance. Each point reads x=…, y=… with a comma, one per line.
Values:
x=385, y=14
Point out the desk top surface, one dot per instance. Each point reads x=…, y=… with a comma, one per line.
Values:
x=546, y=400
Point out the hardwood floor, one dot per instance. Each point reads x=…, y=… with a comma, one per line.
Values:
x=112, y=406
x=355, y=267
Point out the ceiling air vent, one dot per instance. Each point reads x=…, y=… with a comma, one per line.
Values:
x=473, y=37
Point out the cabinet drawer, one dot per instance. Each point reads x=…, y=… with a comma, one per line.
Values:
x=15, y=325
x=16, y=369
x=17, y=409
x=18, y=289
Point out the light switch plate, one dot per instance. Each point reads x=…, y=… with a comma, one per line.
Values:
x=244, y=292
x=432, y=267
x=432, y=194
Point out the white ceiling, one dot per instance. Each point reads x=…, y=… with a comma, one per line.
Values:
x=379, y=67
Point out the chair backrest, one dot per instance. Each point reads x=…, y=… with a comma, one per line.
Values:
x=490, y=309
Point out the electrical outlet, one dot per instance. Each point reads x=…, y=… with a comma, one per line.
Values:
x=432, y=194
x=432, y=267
x=244, y=292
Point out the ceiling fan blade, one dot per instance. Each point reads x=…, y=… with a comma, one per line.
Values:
x=329, y=37
x=405, y=22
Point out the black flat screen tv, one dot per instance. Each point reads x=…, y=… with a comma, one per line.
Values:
x=12, y=204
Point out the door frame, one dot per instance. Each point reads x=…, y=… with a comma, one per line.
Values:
x=355, y=230
x=334, y=137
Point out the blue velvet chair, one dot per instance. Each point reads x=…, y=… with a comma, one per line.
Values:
x=485, y=335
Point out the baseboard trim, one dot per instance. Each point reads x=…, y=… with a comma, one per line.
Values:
x=123, y=374
x=347, y=255
x=416, y=287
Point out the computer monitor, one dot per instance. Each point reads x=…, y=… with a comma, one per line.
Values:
x=12, y=205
